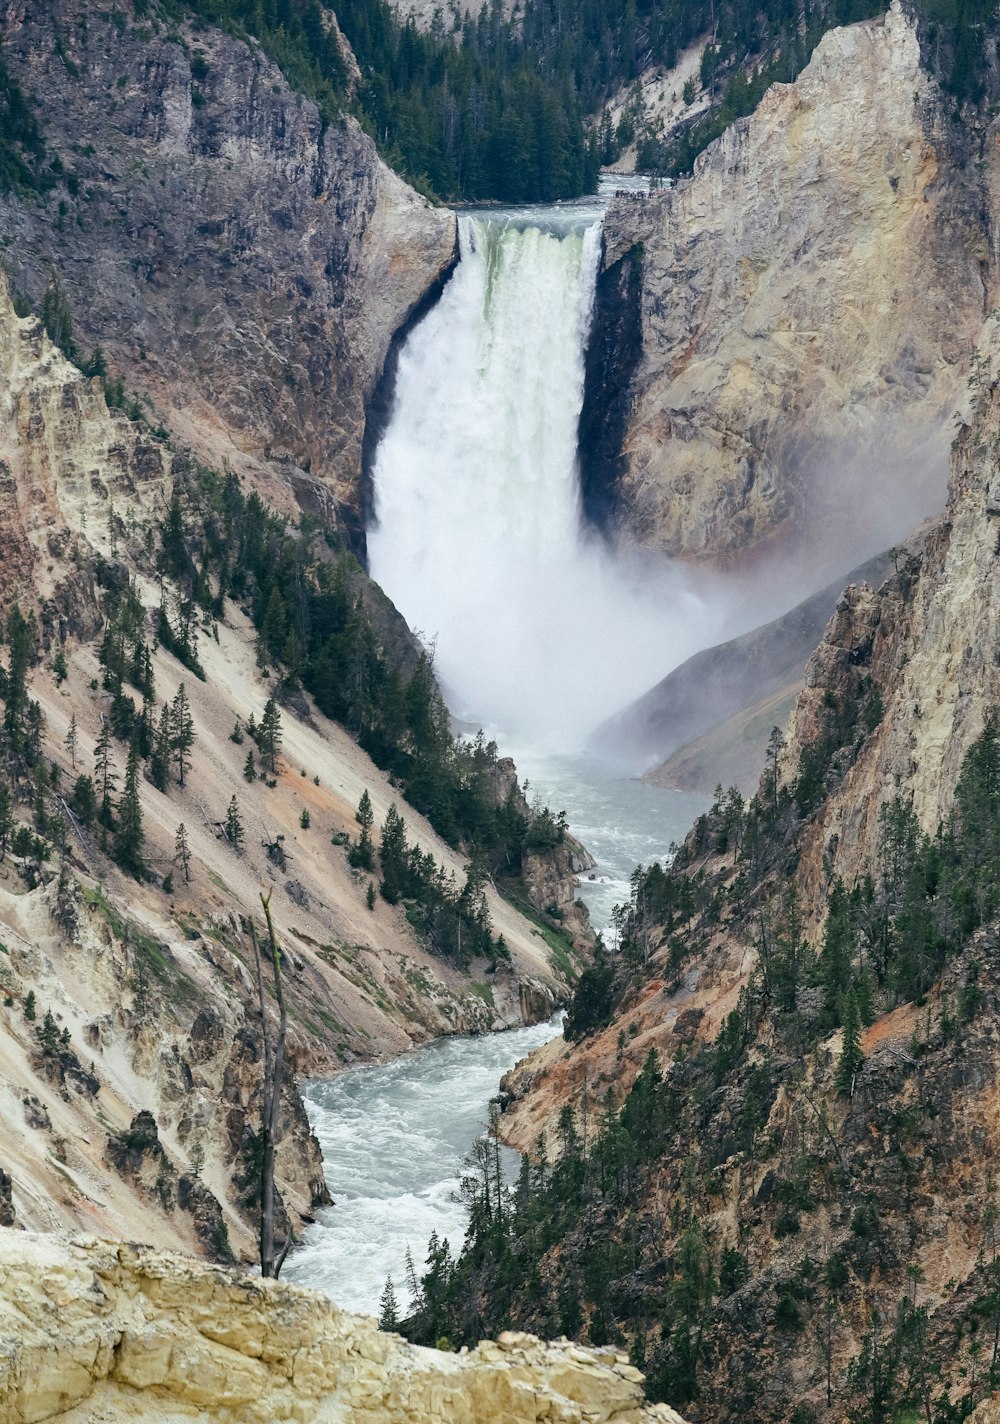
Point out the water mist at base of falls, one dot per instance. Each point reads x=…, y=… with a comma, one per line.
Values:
x=538, y=627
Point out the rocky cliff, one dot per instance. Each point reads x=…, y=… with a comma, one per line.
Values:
x=804, y=1182
x=927, y=640
x=92, y=1330
x=809, y=301
x=138, y=1111
x=238, y=262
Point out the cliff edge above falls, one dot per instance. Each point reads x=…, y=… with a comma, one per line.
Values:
x=237, y=261
x=93, y=1330
x=807, y=304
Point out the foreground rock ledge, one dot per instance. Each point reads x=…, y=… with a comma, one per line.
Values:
x=100, y=1330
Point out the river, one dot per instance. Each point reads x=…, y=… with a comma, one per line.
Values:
x=394, y=1136
x=540, y=630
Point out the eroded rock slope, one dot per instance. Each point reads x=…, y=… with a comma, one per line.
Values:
x=135, y=1107
x=239, y=262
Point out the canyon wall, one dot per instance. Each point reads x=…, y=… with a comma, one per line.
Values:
x=927, y=639
x=142, y=1119
x=238, y=261
x=881, y=1172
x=809, y=301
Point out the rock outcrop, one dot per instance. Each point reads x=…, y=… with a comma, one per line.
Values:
x=94, y=1330
x=69, y=467
x=239, y=261
x=809, y=301
x=551, y=866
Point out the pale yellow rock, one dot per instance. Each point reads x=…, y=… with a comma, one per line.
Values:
x=810, y=298
x=97, y=1332
x=930, y=638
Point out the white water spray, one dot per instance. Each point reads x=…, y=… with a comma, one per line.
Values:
x=478, y=540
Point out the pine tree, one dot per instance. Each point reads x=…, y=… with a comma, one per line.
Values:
x=6, y=818
x=129, y=836
x=272, y=631
x=392, y=854
x=182, y=851
x=293, y=658
x=142, y=675
x=106, y=778
x=96, y=366
x=836, y=956
x=269, y=739
x=851, y=1057
x=159, y=762
x=175, y=557
x=83, y=800
x=234, y=825
x=388, y=1307
x=48, y=1035
x=370, y=895
x=33, y=723
x=70, y=741
x=181, y=731
x=56, y=317
x=362, y=853
x=249, y=767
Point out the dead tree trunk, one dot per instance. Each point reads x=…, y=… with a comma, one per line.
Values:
x=274, y=1063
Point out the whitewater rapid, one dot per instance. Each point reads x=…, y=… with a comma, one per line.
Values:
x=538, y=628
x=394, y=1139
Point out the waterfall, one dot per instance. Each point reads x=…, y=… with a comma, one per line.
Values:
x=538, y=628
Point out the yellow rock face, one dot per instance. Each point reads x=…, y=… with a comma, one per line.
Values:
x=68, y=464
x=98, y=1331
x=929, y=637
x=810, y=298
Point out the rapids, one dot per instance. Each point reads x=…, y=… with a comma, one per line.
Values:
x=394, y=1138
